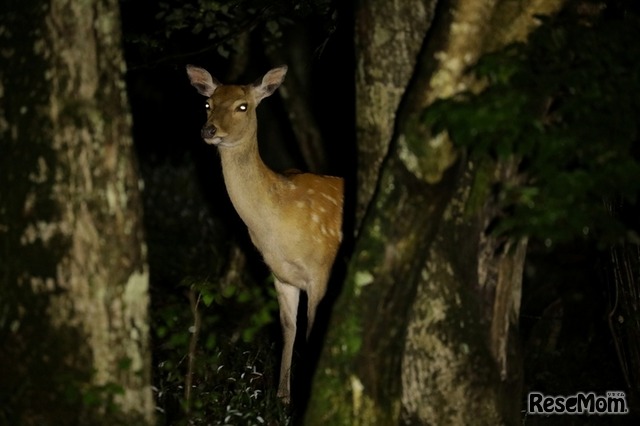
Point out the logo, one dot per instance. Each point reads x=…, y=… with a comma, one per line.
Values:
x=612, y=402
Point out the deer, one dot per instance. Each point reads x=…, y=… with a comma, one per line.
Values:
x=294, y=219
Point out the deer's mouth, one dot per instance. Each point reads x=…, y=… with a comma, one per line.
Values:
x=219, y=142
x=216, y=140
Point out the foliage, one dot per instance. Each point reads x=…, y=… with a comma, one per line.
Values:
x=213, y=25
x=230, y=378
x=564, y=105
x=229, y=299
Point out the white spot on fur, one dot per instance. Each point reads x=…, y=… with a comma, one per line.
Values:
x=330, y=198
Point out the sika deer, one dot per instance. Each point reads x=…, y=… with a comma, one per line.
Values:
x=295, y=220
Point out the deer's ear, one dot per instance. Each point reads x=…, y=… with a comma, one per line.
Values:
x=269, y=83
x=200, y=78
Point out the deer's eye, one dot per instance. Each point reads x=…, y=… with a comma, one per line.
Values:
x=242, y=107
x=207, y=106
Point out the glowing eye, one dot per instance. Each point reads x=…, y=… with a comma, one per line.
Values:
x=207, y=106
x=242, y=107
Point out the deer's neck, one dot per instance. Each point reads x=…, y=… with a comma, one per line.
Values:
x=252, y=186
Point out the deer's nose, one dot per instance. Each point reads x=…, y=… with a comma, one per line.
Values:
x=208, y=132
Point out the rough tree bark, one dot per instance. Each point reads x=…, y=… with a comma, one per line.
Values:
x=424, y=330
x=388, y=37
x=73, y=276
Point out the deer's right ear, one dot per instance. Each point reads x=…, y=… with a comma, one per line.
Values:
x=202, y=80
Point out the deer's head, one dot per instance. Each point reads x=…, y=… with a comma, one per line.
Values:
x=231, y=109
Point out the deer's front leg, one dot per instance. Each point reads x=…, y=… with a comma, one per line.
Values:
x=288, y=299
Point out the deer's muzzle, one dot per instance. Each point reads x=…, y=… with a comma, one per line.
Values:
x=208, y=132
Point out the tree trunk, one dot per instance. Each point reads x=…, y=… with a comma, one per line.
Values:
x=461, y=363
x=388, y=37
x=424, y=330
x=73, y=308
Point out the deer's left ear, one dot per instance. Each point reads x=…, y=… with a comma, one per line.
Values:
x=269, y=83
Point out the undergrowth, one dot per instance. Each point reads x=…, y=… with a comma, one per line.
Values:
x=206, y=376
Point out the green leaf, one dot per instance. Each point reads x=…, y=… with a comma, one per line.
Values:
x=208, y=298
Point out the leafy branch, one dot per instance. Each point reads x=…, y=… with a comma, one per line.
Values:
x=565, y=106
